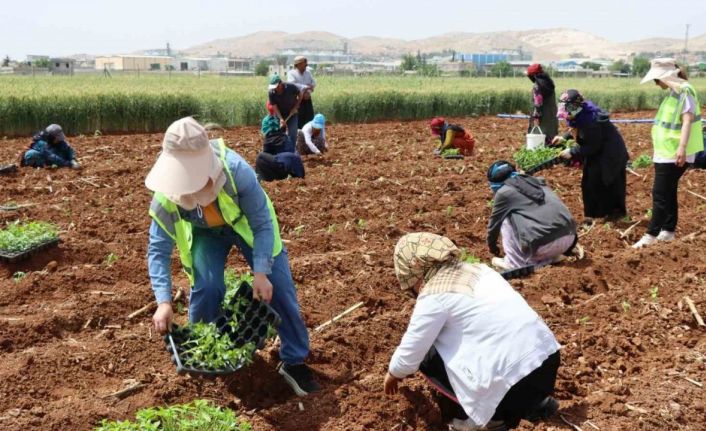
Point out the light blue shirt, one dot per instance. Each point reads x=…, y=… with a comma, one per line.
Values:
x=252, y=202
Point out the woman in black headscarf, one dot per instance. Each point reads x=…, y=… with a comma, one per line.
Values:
x=544, y=102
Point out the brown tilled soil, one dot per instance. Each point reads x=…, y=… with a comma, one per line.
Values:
x=633, y=355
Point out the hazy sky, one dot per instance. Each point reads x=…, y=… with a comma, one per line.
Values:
x=61, y=27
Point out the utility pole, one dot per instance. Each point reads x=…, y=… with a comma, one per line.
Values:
x=686, y=45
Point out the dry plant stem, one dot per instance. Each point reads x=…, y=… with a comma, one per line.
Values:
x=348, y=311
x=572, y=425
x=694, y=311
x=627, y=231
x=125, y=392
x=151, y=305
x=590, y=228
x=697, y=195
x=633, y=172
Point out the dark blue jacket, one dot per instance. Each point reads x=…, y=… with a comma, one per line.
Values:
x=59, y=153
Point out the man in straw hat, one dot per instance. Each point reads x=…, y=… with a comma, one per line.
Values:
x=473, y=338
x=206, y=200
x=301, y=76
x=677, y=137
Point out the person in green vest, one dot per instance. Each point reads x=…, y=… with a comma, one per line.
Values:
x=677, y=137
x=206, y=200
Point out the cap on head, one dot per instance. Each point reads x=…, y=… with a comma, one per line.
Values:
x=319, y=121
x=55, y=131
x=436, y=124
x=534, y=69
x=275, y=80
x=499, y=172
x=570, y=104
x=299, y=60
x=186, y=161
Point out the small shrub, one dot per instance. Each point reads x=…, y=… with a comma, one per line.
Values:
x=643, y=161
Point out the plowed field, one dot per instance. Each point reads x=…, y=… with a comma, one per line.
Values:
x=633, y=355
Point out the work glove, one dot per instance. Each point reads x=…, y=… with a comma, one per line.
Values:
x=75, y=165
x=566, y=154
x=558, y=140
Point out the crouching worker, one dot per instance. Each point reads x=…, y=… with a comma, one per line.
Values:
x=207, y=200
x=452, y=136
x=473, y=337
x=536, y=226
x=311, y=139
x=275, y=139
x=278, y=167
x=49, y=148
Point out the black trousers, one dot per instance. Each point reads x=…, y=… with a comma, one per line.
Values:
x=521, y=400
x=306, y=112
x=600, y=199
x=665, y=207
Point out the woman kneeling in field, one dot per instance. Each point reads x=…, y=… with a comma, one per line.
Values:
x=536, y=226
x=473, y=337
x=452, y=136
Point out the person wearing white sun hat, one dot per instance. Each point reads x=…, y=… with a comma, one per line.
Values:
x=677, y=137
x=207, y=200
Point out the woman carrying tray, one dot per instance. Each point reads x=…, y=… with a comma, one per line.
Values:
x=602, y=152
x=473, y=338
x=207, y=200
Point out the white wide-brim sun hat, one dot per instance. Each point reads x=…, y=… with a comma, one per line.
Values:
x=664, y=69
x=186, y=162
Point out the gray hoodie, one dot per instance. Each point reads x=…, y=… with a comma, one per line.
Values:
x=537, y=215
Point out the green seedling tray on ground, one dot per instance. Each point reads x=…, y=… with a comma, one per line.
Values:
x=518, y=272
x=14, y=256
x=249, y=323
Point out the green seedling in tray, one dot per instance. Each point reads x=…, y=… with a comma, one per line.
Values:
x=207, y=348
x=528, y=158
x=198, y=415
x=19, y=237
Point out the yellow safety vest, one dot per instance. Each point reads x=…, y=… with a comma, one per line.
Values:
x=666, y=131
x=166, y=214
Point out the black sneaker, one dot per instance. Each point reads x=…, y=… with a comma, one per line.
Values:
x=299, y=377
x=546, y=409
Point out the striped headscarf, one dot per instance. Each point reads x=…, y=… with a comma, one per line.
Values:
x=434, y=259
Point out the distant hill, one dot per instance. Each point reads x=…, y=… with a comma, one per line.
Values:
x=547, y=44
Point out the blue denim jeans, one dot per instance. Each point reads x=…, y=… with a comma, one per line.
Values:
x=292, y=130
x=210, y=250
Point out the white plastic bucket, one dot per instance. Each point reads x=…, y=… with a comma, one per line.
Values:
x=535, y=140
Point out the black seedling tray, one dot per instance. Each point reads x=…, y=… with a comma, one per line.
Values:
x=548, y=164
x=249, y=324
x=8, y=169
x=252, y=318
x=14, y=256
x=518, y=272
x=175, y=340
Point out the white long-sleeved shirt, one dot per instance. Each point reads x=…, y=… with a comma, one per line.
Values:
x=301, y=80
x=307, y=131
x=488, y=342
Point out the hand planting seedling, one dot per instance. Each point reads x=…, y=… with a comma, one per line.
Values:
x=198, y=415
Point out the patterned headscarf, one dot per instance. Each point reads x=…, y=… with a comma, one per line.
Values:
x=419, y=254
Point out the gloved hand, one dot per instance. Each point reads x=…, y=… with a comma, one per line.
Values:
x=75, y=164
x=437, y=152
x=566, y=154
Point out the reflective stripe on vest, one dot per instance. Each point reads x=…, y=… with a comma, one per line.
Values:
x=666, y=131
x=166, y=214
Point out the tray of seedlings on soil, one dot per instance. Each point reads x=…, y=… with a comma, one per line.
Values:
x=225, y=346
x=21, y=240
x=538, y=159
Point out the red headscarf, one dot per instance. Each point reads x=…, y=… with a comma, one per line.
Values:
x=534, y=69
x=436, y=124
x=270, y=108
